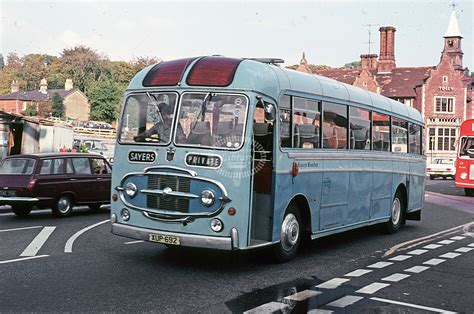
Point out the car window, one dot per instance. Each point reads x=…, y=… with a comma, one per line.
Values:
x=46, y=166
x=99, y=166
x=69, y=168
x=81, y=165
x=58, y=166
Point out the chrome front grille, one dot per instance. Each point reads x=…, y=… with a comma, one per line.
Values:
x=178, y=184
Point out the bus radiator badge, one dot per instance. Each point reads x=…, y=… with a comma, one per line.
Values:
x=170, y=153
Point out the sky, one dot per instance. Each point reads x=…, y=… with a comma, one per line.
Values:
x=329, y=32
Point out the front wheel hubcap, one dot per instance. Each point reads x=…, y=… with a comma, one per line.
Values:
x=290, y=231
x=64, y=205
x=396, y=210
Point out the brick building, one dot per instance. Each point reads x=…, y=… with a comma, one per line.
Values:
x=442, y=93
x=76, y=104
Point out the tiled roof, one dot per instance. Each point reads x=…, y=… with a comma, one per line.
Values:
x=37, y=95
x=401, y=82
x=347, y=76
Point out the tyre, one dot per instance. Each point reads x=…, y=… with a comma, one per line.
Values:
x=397, y=211
x=432, y=177
x=290, y=235
x=94, y=207
x=469, y=192
x=63, y=206
x=21, y=211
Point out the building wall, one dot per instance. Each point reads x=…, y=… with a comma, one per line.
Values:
x=76, y=106
x=366, y=81
x=10, y=106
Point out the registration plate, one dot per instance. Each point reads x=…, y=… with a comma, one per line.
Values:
x=165, y=239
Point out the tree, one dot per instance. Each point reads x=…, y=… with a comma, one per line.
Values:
x=352, y=65
x=57, y=108
x=142, y=62
x=30, y=110
x=105, y=97
x=2, y=62
x=33, y=69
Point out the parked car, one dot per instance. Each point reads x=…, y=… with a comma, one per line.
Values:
x=441, y=167
x=54, y=180
x=95, y=146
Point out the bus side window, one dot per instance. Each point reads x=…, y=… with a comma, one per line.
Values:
x=399, y=136
x=306, y=123
x=381, y=132
x=359, y=123
x=414, y=139
x=334, y=126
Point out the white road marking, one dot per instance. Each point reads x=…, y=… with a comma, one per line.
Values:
x=35, y=245
x=396, y=277
x=303, y=295
x=413, y=305
x=22, y=259
x=268, y=308
x=358, y=272
x=70, y=241
x=471, y=245
x=320, y=311
x=333, y=283
x=450, y=255
x=446, y=242
x=417, y=252
x=399, y=258
x=423, y=239
x=380, y=265
x=434, y=261
x=464, y=249
x=372, y=288
x=24, y=228
x=345, y=301
x=133, y=242
x=417, y=269
x=457, y=238
x=432, y=246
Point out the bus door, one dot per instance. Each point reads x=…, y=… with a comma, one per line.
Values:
x=262, y=173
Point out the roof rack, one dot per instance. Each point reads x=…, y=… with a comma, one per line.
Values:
x=274, y=61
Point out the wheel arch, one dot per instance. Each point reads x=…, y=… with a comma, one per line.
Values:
x=402, y=189
x=301, y=202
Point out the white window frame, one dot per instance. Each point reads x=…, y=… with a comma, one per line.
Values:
x=446, y=97
x=445, y=79
x=441, y=138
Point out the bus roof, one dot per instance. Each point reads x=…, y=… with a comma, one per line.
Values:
x=273, y=81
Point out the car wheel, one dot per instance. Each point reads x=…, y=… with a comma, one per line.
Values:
x=432, y=177
x=63, y=206
x=469, y=192
x=22, y=211
x=290, y=235
x=396, y=214
x=95, y=207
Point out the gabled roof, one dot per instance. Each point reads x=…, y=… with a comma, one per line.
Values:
x=36, y=95
x=401, y=82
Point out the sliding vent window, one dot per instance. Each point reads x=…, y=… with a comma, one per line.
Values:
x=334, y=126
x=285, y=121
x=414, y=137
x=399, y=136
x=359, y=128
x=381, y=132
x=306, y=123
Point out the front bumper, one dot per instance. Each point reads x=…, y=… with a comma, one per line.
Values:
x=190, y=240
x=8, y=200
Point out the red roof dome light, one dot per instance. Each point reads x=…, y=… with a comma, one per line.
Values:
x=167, y=73
x=213, y=71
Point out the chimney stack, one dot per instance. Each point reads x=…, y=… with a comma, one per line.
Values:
x=15, y=87
x=68, y=85
x=368, y=61
x=387, y=49
x=43, y=86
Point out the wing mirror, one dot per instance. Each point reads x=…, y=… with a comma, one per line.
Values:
x=269, y=112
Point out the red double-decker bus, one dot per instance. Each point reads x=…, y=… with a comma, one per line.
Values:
x=465, y=158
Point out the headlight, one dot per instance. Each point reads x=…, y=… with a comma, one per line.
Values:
x=131, y=189
x=217, y=225
x=463, y=175
x=207, y=198
x=125, y=214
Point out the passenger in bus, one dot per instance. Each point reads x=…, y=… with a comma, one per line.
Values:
x=162, y=127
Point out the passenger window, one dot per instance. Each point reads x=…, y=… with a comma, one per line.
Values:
x=381, y=132
x=69, y=168
x=359, y=120
x=81, y=165
x=46, y=166
x=98, y=166
x=58, y=166
x=399, y=136
x=306, y=123
x=414, y=138
x=334, y=126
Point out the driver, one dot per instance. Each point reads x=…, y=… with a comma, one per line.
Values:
x=162, y=128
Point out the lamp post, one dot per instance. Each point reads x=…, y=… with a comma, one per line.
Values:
x=432, y=139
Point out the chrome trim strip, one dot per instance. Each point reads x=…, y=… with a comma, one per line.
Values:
x=191, y=173
x=259, y=245
x=15, y=199
x=234, y=235
x=350, y=170
x=334, y=204
x=172, y=193
x=183, y=220
x=190, y=240
x=370, y=155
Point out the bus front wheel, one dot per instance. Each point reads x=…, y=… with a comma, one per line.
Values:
x=396, y=214
x=290, y=235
